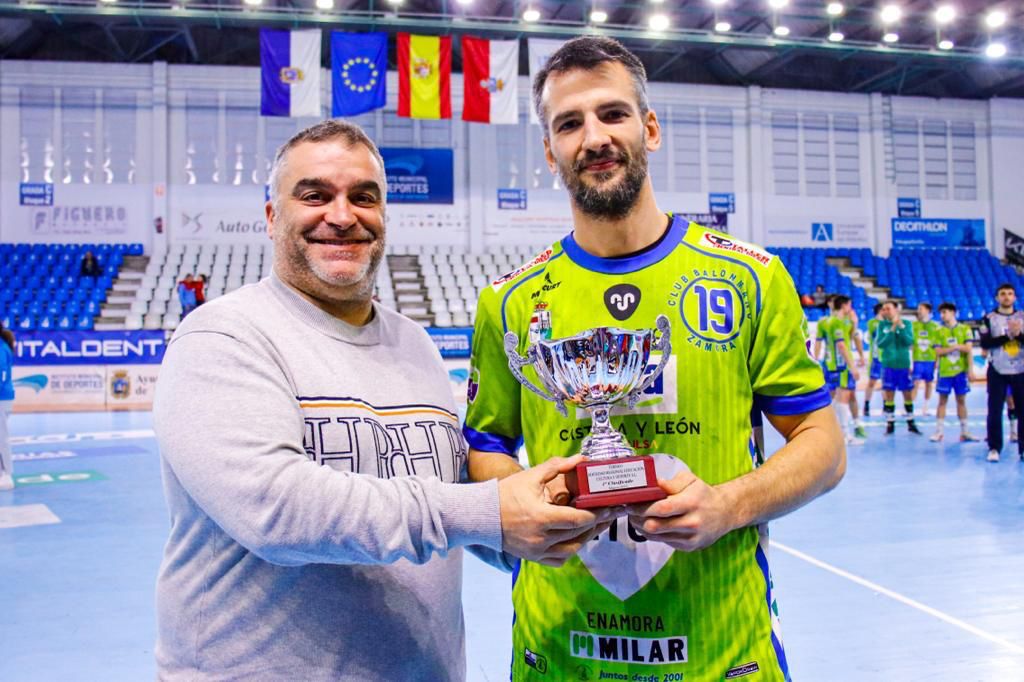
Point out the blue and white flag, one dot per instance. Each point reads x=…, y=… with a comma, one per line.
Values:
x=359, y=64
x=290, y=63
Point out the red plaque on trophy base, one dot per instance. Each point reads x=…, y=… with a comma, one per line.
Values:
x=614, y=482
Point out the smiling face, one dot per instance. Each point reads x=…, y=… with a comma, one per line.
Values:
x=599, y=140
x=327, y=223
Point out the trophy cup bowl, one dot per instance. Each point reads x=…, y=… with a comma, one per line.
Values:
x=594, y=370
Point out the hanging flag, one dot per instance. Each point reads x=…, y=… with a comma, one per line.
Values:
x=490, y=80
x=424, y=76
x=290, y=63
x=359, y=64
x=540, y=50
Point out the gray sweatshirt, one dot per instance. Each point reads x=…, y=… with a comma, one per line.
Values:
x=310, y=470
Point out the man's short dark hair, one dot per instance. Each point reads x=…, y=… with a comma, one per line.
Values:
x=1005, y=285
x=330, y=129
x=926, y=304
x=878, y=308
x=946, y=305
x=839, y=300
x=587, y=53
x=893, y=302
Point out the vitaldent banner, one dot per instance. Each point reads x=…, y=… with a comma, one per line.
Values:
x=938, y=232
x=90, y=348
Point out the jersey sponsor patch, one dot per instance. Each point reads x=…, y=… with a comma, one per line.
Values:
x=640, y=650
x=722, y=243
x=622, y=300
x=742, y=670
x=542, y=257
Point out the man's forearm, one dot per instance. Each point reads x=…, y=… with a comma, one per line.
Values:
x=483, y=466
x=810, y=464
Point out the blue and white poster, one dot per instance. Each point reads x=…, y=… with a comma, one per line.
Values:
x=511, y=199
x=141, y=347
x=453, y=342
x=419, y=176
x=722, y=202
x=938, y=232
x=908, y=207
x=35, y=194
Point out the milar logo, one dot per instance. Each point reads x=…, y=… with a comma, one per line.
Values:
x=638, y=650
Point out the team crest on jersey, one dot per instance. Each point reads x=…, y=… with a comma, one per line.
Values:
x=713, y=305
x=723, y=243
x=540, y=323
x=542, y=257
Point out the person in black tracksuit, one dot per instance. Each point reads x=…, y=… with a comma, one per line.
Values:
x=1002, y=335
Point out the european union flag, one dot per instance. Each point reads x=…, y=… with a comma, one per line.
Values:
x=359, y=64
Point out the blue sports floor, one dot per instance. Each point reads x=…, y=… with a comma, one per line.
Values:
x=912, y=569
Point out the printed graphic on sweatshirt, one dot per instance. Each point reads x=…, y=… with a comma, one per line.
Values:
x=350, y=434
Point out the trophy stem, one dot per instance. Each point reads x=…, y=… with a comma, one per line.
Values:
x=604, y=442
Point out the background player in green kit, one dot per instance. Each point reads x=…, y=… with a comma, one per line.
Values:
x=681, y=586
x=875, y=372
x=836, y=333
x=953, y=348
x=925, y=329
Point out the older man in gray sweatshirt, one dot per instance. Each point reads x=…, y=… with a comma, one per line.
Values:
x=311, y=459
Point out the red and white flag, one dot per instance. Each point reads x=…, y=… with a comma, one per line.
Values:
x=490, y=80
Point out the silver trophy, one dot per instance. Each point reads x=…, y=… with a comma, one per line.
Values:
x=594, y=370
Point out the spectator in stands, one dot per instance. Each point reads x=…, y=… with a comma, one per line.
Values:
x=895, y=340
x=6, y=402
x=820, y=297
x=89, y=267
x=953, y=350
x=187, y=295
x=341, y=556
x=1001, y=335
x=199, y=286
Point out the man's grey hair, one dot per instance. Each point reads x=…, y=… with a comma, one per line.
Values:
x=323, y=131
x=587, y=53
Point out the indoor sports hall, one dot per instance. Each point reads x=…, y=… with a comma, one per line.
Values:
x=870, y=149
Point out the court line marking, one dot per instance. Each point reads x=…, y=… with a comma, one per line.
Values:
x=956, y=622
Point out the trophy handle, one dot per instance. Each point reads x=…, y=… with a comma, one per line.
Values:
x=516, y=362
x=664, y=345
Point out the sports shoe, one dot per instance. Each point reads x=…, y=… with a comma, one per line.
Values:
x=867, y=409
x=936, y=437
x=852, y=440
x=912, y=427
x=890, y=428
x=1013, y=432
x=924, y=411
x=993, y=456
x=859, y=432
x=6, y=482
x=968, y=438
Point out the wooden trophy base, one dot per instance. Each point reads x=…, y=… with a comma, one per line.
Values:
x=615, y=482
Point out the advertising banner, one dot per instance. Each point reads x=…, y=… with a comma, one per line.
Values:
x=908, y=207
x=90, y=348
x=1013, y=247
x=419, y=176
x=66, y=388
x=716, y=221
x=77, y=213
x=938, y=232
x=453, y=342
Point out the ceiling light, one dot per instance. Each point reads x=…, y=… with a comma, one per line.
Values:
x=723, y=27
x=718, y=3
x=465, y=2
x=395, y=2
x=598, y=16
x=945, y=14
x=108, y=2
x=834, y=9
x=836, y=37
x=995, y=50
x=777, y=4
x=995, y=18
x=781, y=31
x=657, y=2
x=659, y=22
x=891, y=37
x=325, y=4
x=945, y=44
x=531, y=15
x=891, y=14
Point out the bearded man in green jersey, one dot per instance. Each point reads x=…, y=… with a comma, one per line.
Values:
x=677, y=589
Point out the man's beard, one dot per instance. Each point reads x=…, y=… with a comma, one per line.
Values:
x=611, y=203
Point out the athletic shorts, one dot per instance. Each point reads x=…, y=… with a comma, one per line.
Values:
x=924, y=370
x=957, y=384
x=894, y=379
x=876, y=369
x=840, y=379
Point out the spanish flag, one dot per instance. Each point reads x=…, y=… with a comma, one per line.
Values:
x=424, y=76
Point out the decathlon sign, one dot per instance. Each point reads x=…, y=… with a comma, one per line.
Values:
x=91, y=348
x=943, y=232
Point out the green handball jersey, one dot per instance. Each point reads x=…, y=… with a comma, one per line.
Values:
x=956, y=362
x=924, y=340
x=876, y=352
x=626, y=607
x=832, y=330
